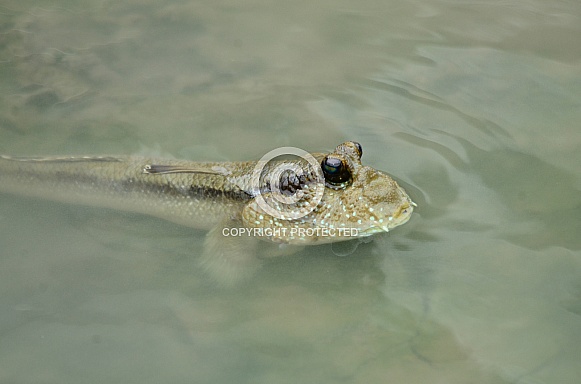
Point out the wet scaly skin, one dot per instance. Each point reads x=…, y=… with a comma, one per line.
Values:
x=215, y=196
x=369, y=202
x=201, y=195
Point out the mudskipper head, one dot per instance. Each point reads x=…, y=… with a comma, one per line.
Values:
x=358, y=196
x=357, y=201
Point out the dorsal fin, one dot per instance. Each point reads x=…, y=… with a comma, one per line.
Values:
x=165, y=169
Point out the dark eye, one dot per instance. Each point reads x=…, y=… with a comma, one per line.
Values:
x=335, y=170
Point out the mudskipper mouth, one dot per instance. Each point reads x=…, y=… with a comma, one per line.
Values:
x=404, y=213
x=401, y=216
x=403, y=210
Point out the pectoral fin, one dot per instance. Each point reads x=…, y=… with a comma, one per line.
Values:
x=230, y=259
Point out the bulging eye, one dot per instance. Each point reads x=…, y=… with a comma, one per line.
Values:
x=335, y=170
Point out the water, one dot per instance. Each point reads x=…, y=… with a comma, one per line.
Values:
x=475, y=107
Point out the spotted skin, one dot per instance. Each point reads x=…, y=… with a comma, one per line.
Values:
x=201, y=195
x=356, y=198
x=371, y=202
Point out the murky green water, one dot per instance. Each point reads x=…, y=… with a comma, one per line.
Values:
x=475, y=107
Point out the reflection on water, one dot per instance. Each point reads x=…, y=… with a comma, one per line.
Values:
x=473, y=107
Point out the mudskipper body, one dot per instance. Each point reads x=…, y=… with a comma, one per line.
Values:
x=310, y=199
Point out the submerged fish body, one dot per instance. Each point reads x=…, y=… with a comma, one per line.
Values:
x=337, y=200
x=198, y=200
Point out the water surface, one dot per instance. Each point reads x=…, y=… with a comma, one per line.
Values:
x=474, y=106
